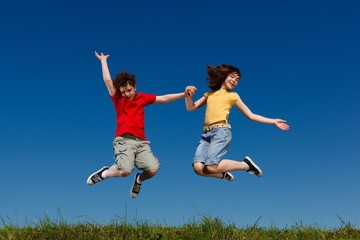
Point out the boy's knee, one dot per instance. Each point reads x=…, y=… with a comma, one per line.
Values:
x=124, y=174
x=152, y=172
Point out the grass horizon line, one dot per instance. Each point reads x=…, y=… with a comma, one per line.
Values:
x=207, y=227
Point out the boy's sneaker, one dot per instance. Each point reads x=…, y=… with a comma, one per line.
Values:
x=253, y=168
x=228, y=176
x=96, y=176
x=135, y=188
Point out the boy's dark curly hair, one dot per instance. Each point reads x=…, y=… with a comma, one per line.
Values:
x=123, y=79
x=217, y=75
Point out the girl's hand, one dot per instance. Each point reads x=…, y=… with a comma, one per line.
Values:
x=102, y=56
x=190, y=91
x=281, y=124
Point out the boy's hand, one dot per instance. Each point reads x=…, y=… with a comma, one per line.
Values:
x=190, y=91
x=281, y=124
x=102, y=56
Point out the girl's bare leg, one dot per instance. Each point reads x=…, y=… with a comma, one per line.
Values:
x=200, y=169
x=226, y=165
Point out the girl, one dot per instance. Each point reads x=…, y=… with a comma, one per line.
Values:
x=216, y=138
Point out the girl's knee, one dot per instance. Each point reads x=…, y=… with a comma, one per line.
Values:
x=198, y=169
x=210, y=168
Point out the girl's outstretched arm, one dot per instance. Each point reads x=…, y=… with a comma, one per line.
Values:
x=257, y=118
x=106, y=73
x=191, y=106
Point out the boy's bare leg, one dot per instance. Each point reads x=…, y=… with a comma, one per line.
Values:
x=147, y=174
x=104, y=173
x=139, y=178
x=199, y=169
x=113, y=172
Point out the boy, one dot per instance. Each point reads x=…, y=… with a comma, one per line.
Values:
x=130, y=145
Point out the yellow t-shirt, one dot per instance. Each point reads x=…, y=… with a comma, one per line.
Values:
x=218, y=106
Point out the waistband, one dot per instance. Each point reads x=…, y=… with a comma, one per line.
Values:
x=216, y=125
x=130, y=136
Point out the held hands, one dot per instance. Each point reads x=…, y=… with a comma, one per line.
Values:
x=102, y=56
x=281, y=124
x=190, y=91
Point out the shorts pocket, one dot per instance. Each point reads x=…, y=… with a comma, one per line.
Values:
x=119, y=148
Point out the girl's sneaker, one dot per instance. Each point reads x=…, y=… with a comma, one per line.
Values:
x=253, y=168
x=227, y=176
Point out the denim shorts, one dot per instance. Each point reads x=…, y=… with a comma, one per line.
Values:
x=213, y=146
x=130, y=153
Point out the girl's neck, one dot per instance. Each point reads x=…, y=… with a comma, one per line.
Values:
x=224, y=89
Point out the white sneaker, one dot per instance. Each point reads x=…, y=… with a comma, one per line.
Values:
x=253, y=168
x=228, y=177
x=96, y=176
x=135, y=188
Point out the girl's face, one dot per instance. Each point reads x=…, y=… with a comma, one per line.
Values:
x=230, y=82
x=128, y=91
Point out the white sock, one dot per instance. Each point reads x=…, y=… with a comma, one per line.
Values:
x=103, y=174
x=246, y=166
x=138, y=180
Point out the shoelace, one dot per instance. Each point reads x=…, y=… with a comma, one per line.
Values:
x=96, y=178
x=136, y=187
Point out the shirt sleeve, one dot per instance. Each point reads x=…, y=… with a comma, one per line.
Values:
x=206, y=95
x=235, y=97
x=148, y=98
x=115, y=97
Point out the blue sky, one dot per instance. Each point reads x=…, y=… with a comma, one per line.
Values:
x=299, y=62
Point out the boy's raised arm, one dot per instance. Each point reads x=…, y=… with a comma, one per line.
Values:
x=106, y=73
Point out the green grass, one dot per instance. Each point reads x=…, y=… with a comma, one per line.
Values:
x=205, y=228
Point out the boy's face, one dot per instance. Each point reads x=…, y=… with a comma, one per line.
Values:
x=231, y=81
x=128, y=91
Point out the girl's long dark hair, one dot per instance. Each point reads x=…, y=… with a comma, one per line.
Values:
x=217, y=75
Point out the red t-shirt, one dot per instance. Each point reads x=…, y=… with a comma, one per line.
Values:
x=130, y=113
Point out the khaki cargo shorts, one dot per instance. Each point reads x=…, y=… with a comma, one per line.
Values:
x=134, y=151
